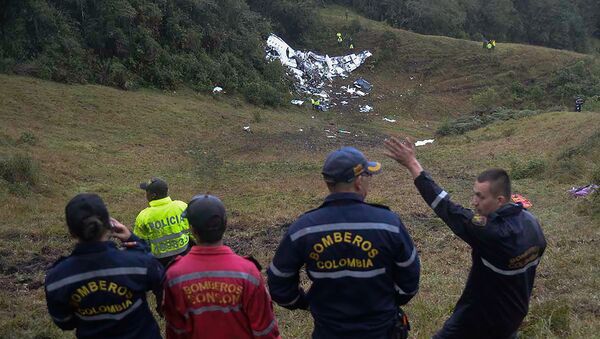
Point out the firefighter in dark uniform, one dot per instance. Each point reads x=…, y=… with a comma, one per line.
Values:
x=100, y=290
x=359, y=256
x=507, y=243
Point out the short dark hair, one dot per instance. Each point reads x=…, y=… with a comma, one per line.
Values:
x=499, y=181
x=211, y=231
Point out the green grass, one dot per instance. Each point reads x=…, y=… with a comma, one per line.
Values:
x=97, y=139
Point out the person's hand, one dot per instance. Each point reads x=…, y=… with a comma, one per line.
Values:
x=403, y=151
x=119, y=230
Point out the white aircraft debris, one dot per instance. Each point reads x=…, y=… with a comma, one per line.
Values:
x=423, y=142
x=389, y=120
x=311, y=70
x=365, y=108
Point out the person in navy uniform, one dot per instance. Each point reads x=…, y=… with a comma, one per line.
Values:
x=359, y=256
x=507, y=244
x=99, y=290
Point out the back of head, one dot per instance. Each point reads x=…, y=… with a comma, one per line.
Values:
x=207, y=218
x=343, y=165
x=156, y=187
x=499, y=181
x=87, y=217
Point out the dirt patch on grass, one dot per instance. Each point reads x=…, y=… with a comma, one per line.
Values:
x=18, y=272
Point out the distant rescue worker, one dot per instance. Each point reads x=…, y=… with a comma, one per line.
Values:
x=359, y=256
x=99, y=290
x=212, y=292
x=339, y=37
x=161, y=225
x=493, y=42
x=507, y=244
x=350, y=43
x=578, y=104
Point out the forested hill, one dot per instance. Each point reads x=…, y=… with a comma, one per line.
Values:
x=200, y=44
x=150, y=43
x=563, y=24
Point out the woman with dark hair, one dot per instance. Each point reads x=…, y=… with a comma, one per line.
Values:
x=100, y=290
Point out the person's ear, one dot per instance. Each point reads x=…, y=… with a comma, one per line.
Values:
x=502, y=200
x=358, y=183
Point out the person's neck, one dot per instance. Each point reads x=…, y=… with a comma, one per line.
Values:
x=210, y=244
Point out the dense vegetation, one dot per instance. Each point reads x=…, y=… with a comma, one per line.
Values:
x=564, y=24
x=156, y=43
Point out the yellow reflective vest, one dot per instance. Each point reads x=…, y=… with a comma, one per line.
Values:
x=162, y=227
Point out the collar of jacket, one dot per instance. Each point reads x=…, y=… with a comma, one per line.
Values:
x=159, y=202
x=208, y=250
x=93, y=247
x=343, y=196
x=506, y=210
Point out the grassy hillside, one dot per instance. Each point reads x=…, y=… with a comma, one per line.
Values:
x=58, y=140
x=91, y=138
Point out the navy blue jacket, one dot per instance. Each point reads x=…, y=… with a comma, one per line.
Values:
x=101, y=291
x=362, y=263
x=506, y=249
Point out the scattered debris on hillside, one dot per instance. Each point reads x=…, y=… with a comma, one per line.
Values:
x=389, y=120
x=297, y=102
x=365, y=108
x=583, y=191
x=311, y=71
x=424, y=142
x=217, y=90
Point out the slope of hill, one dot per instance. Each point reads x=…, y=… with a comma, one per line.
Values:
x=58, y=140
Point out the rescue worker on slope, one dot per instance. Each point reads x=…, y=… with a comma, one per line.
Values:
x=359, y=256
x=507, y=244
x=161, y=225
x=99, y=290
x=212, y=292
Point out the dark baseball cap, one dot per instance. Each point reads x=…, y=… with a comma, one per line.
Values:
x=346, y=163
x=202, y=208
x=155, y=185
x=83, y=206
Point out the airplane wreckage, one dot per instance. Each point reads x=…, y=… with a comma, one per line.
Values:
x=311, y=71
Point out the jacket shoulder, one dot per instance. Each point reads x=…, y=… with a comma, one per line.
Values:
x=379, y=206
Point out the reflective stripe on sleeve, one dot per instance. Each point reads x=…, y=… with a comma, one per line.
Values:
x=347, y=273
x=439, y=198
x=214, y=274
x=280, y=274
x=344, y=226
x=63, y=320
x=265, y=331
x=291, y=302
x=510, y=272
x=117, y=316
x=212, y=308
x=107, y=272
x=410, y=260
x=401, y=291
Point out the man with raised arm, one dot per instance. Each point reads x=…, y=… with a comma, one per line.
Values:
x=506, y=241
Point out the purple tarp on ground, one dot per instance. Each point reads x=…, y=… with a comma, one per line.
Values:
x=583, y=190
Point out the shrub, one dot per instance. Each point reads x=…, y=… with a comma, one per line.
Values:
x=19, y=169
x=27, y=138
x=528, y=169
x=486, y=99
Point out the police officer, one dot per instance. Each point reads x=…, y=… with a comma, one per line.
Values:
x=161, y=224
x=359, y=256
x=506, y=241
x=99, y=290
x=212, y=292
